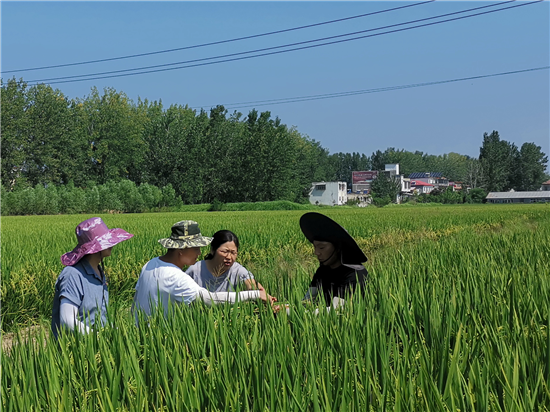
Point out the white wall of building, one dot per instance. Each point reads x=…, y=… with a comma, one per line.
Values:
x=422, y=189
x=329, y=193
x=392, y=167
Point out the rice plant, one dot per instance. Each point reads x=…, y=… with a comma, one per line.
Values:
x=455, y=317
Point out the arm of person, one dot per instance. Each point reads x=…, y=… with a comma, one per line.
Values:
x=193, y=291
x=356, y=281
x=314, y=286
x=251, y=284
x=337, y=303
x=215, y=298
x=247, y=278
x=311, y=293
x=68, y=316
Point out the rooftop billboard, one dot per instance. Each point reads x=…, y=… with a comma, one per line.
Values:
x=358, y=177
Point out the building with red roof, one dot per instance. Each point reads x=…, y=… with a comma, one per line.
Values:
x=421, y=187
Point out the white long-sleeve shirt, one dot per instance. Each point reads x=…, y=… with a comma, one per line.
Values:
x=163, y=283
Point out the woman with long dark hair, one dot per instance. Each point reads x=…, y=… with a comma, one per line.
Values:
x=219, y=271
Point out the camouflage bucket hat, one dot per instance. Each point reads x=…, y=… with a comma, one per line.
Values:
x=185, y=234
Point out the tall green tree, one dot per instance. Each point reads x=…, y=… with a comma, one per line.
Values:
x=380, y=159
x=312, y=164
x=454, y=166
x=115, y=138
x=384, y=189
x=474, y=173
x=496, y=157
x=529, y=168
x=346, y=163
x=53, y=151
x=13, y=123
x=408, y=162
x=269, y=157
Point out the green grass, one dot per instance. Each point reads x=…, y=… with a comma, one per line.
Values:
x=455, y=317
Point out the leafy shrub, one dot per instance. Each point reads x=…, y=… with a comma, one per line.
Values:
x=216, y=206
x=169, y=197
x=150, y=195
x=130, y=197
x=476, y=195
x=381, y=201
x=108, y=197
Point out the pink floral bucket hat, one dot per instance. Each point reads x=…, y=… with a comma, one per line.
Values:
x=93, y=236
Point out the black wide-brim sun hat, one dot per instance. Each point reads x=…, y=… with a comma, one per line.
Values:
x=316, y=226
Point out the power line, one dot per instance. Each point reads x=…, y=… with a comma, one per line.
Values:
x=221, y=41
x=365, y=91
x=266, y=48
x=61, y=79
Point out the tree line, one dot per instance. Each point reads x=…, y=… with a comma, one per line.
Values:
x=111, y=197
x=501, y=165
x=51, y=139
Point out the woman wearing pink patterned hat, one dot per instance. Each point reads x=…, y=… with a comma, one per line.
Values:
x=81, y=295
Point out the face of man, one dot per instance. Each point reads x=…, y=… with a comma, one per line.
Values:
x=326, y=253
x=188, y=256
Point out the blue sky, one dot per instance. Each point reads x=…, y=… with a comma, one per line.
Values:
x=435, y=119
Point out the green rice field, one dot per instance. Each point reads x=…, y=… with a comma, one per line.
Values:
x=456, y=317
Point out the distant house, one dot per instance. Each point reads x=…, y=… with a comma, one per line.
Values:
x=545, y=186
x=518, y=197
x=362, y=180
x=436, y=179
x=421, y=187
x=456, y=186
x=328, y=193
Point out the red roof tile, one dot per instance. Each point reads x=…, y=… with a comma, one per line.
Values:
x=419, y=183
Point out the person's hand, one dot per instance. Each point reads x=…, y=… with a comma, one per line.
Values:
x=281, y=307
x=278, y=308
x=265, y=296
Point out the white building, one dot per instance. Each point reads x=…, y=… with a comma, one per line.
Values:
x=421, y=187
x=437, y=180
x=328, y=193
x=518, y=197
x=392, y=171
x=361, y=181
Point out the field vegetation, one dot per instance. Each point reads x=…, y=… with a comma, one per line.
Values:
x=456, y=317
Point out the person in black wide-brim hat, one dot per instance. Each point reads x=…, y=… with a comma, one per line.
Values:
x=340, y=270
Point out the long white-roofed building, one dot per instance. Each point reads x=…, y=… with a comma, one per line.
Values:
x=518, y=197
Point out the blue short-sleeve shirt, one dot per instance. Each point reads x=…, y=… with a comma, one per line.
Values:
x=83, y=287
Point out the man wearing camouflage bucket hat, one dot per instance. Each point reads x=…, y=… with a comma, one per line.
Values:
x=163, y=282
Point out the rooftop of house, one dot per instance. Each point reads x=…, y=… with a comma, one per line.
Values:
x=517, y=195
x=423, y=175
x=419, y=183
